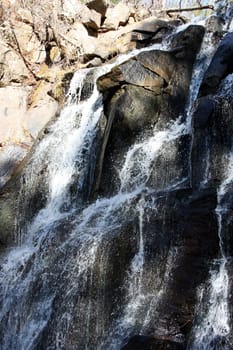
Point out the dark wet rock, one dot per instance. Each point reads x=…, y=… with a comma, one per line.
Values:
x=214, y=25
x=129, y=114
x=180, y=241
x=187, y=42
x=151, y=32
x=221, y=65
x=147, y=90
x=203, y=112
x=8, y=209
x=212, y=130
x=98, y=5
x=140, y=342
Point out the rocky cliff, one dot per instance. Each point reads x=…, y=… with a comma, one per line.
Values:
x=42, y=45
x=124, y=203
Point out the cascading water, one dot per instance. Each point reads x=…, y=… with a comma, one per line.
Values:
x=70, y=252
x=61, y=156
x=214, y=328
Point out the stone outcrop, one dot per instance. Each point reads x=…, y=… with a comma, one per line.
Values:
x=41, y=46
x=220, y=67
x=176, y=210
x=147, y=90
x=117, y=16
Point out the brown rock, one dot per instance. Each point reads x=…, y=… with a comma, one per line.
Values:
x=12, y=67
x=30, y=46
x=13, y=107
x=42, y=110
x=1, y=13
x=77, y=10
x=131, y=72
x=116, y=16
x=76, y=43
x=98, y=5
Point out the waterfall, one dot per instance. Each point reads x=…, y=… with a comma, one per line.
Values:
x=213, y=329
x=29, y=290
x=87, y=263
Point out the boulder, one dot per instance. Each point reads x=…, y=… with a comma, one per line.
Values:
x=156, y=68
x=98, y=5
x=39, y=114
x=131, y=72
x=135, y=35
x=30, y=47
x=12, y=66
x=187, y=42
x=76, y=43
x=116, y=16
x=129, y=112
x=80, y=12
x=140, y=342
x=148, y=90
x=221, y=65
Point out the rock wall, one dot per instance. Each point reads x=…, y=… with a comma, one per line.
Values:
x=41, y=45
x=180, y=224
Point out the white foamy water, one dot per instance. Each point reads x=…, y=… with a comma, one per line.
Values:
x=64, y=154
x=61, y=155
x=214, y=327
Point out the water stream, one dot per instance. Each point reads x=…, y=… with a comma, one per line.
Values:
x=213, y=329
x=58, y=274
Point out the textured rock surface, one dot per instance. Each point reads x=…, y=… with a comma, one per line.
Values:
x=41, y=45
x=117, y=16
x=176, y=213
x=148, y=90
x=220, y=66
x=147, y=343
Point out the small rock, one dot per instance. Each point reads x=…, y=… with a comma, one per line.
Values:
x=76, y=43
x=24, y=16
x=98, y=5
x=94, y=62
x=13, y=107
x=55, y=54
x=40, y=114
x=116, y=16
x=78, y=11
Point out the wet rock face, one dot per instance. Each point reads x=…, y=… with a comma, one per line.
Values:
x=146, y=91
x=147, y=343
x=212, y=118
x=219, y=68
x=85, y=292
